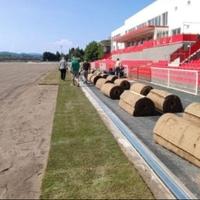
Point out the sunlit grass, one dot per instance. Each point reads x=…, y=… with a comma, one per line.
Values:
x=85, y=160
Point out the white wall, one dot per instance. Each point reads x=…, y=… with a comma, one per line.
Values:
x=184, y=15
x=180, y=15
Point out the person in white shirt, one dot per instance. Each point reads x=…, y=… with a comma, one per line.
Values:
x=63, y=68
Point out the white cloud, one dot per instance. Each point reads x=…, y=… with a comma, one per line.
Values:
x=64, y=43
x=61, y=45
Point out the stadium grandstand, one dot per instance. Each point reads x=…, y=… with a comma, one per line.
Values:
x=160, y=44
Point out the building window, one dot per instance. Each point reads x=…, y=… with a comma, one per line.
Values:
x=176, y=31
x=157, y=21
x=159, y=35
x=165, y=19
x=160, y=20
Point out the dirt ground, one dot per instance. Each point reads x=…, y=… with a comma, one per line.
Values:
x=26, y=117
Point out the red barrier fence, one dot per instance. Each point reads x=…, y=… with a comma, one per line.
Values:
x=179, y=79
x=185, y=78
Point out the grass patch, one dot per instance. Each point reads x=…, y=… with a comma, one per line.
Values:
x=51, y=78
x=85, y=160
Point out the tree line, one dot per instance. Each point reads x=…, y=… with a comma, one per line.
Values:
x=8, y=56
x=93, y=51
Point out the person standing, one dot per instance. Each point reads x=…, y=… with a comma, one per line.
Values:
x=75, y=66
x=63, y=68
x=118, y=68
x=86, y=68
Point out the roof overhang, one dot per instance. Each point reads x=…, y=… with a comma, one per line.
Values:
x=137, y=34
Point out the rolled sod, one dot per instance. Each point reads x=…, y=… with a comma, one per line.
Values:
x=192, y=113
x=104, y=75
x=90, y=77
x=165, y=102
x=141, y=88
x=136, y=104
x=180, y=136
x=111, y=78
x=111, y=90
x=100, y=82
x=124, y=83
x=95, y=78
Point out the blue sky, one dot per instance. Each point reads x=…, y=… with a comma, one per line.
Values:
x=40, y=25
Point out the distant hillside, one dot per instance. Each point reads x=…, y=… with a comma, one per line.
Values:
x=6, y=56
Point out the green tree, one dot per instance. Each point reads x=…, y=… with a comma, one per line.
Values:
x=77, y=52
x=93, y=51
x=58, y=55
x=70, y=53
x=80, y=53
x=48, y=56
x=66, y=57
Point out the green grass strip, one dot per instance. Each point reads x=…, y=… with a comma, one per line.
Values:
x=85, y=160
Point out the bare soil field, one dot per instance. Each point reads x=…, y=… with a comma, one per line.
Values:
x=26, y=117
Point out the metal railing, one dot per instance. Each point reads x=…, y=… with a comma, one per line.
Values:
x=178, y=79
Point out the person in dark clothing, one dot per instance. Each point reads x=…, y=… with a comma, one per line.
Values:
x=111, y=71
x=121, y=72
x=86, y=68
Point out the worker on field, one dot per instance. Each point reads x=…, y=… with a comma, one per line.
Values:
x=75, y=67
x=86, y=67
x=118, y=66
x=63, y=68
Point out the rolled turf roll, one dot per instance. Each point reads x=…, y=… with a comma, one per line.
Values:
x=180, y=136
x=97, y=73
x=104, y=76
x=124, y=83
x=109, y=82
x=136, y=104
x=192, y=113
x=111, y=90
x=165, y=102
x=100, y=82
x=141, y=88
x=95, y=78
x=111, y=78
x=89, y=77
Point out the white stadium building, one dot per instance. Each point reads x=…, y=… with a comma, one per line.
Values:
x=158, y=20
x=160, y=44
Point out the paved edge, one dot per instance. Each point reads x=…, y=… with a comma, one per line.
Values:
x=159, y=190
